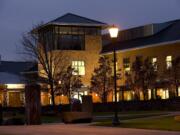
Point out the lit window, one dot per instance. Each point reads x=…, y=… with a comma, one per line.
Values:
x=79, y=67
x=168, y=62
x=126, y=65
x=154, y=63
x=164, y=94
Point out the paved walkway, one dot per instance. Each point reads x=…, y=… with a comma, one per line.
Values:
x=80, y=129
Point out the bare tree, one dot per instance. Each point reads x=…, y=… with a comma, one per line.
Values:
x=39, y=46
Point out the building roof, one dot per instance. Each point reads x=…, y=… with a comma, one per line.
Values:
x=9, y=78
x=17, y=67
x=13, y=72
x=159, y=33
x=70, y=19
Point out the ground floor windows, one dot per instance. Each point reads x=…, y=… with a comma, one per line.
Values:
x=163, y=93
x=45, y=98
x=128, y=95
x=13, y=98
x=16, y=98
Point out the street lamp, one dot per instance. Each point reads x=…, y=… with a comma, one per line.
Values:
x=113, y=31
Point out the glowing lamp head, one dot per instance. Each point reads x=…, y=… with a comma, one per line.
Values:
x=113, y=31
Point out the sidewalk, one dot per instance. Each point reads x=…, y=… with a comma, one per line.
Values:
x=83, y=129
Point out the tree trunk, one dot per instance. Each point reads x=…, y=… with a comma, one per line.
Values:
x=33, y=105
x=104, y=91
x=177, y=90
x=52, y=96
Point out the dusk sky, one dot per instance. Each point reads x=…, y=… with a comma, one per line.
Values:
x=18, y=16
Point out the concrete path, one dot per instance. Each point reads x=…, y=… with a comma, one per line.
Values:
x=80, y=129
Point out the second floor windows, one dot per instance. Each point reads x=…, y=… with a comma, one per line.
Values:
x=70, y=42
x=126, y=65
x=168, y=62
x=79, y=67
x=154, y=63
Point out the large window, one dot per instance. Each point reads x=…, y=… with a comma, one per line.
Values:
x=66, y=37
x=70, y=42
x=168, y=62
x=79, y=67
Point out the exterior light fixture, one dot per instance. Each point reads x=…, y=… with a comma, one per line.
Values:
x=113, y=31
x=59, y=82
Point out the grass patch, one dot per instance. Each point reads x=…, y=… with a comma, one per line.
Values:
x=164, y=123
x=44, y=118
x=127, y=113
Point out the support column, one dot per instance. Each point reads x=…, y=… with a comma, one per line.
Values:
x=33, y=104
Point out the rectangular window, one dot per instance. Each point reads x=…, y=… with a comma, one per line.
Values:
x=126, y=65
x=79, y=67
x=71, y=42
x=168, y=62
x=154, y=63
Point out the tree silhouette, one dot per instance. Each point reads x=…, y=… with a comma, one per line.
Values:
x=142, y=77
x=102, y=79
x=51, y=63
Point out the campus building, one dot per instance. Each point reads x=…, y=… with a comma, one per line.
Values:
x=13, y=77
x=78, y=38
x=160, y=42
x=81, y=39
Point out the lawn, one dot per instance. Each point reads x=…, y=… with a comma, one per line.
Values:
x=105, y=116
x=164, y=123
x=129, y=113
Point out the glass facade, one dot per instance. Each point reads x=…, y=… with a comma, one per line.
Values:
x=66, y=37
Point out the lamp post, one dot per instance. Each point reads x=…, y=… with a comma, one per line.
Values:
x=114, y=34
